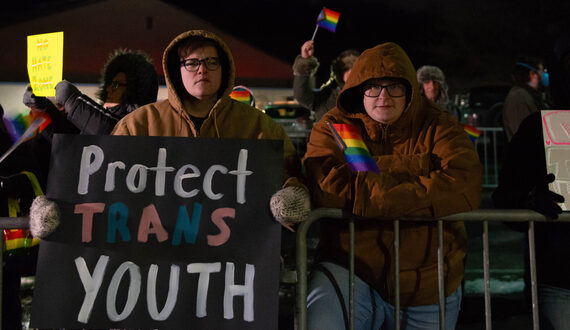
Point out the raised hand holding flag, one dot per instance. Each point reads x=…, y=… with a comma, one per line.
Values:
x=327, y=19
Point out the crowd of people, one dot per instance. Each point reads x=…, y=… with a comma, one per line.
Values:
x=420, y=163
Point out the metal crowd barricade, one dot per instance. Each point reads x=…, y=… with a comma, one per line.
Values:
x=8, y=223
x=483, y=215
x=490, y=149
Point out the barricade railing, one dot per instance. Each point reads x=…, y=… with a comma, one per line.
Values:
x=490, y=146
x=482, y=215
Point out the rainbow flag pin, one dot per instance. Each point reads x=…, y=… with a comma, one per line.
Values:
x=327, y=19
x=472, y=132
x=242, y=94
x=355, y=150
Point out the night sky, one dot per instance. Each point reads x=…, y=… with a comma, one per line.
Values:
x=474, y=42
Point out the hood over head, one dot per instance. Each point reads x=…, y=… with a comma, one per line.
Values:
x=142, y=79
x=386, y=60
x=171, y=66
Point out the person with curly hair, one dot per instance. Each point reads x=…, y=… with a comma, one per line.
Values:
x=304, y=69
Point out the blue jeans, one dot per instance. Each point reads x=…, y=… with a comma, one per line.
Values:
x=554, y=307
x=324, y=309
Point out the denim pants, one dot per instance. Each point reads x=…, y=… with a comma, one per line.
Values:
x=554, y=307
x=325, y=311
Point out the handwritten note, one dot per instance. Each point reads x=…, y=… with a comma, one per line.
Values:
x=45, y=62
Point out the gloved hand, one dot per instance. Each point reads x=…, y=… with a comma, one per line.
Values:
x=544, y=201
x=64, y=90
x=39, y=103
x=44, y=217
x=290, y=205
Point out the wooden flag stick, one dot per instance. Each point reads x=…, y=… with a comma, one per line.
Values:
x=315, y=33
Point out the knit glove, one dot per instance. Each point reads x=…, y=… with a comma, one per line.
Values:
x=39, y=103
x=544, y=201
x=290, y=205
x=64, y=90
x=44, y=217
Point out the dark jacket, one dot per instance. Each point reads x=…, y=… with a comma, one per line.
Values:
x=519, y=103
x=92, y=118
x=524, y=168
x=428, y=167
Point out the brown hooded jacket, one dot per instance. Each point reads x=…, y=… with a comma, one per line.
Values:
x=428, y=168
x=228, y=119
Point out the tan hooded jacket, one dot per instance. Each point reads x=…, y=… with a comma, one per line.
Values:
x=228, y=119
x=428, y=167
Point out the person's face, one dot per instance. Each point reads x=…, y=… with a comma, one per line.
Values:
x=203, y=83
x=535, y=78
x=431, y=89
x=116, y=89
x=383, y=107
x=345, y=75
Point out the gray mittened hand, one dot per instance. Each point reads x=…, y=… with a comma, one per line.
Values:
x=64, y=90
x=44, y=217
x=291, y=205
x=39, y=103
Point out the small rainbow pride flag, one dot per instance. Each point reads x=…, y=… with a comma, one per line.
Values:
x=472, y=132
x=242, y=94
x=355, y=150
x=328, y=19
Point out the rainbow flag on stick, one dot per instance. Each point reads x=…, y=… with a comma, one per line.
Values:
x=327, y=19
x=472, y=132
x=355, y=150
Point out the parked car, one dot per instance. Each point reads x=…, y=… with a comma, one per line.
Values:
x=485, y=105
x=296, y=119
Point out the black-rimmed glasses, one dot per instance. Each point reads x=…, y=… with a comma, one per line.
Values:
x=116, y=84
x=393, y=90
x=193, y=64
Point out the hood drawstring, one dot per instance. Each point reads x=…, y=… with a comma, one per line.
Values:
x=216, y=123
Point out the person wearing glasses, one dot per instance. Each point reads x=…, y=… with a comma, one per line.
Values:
x=129, y=81
x=420, y=164
x=199, y=72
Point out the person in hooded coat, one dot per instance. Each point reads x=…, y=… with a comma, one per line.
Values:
x=428, y=167
x=199, y=73
x=128, y=81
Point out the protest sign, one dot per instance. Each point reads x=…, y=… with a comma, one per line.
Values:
x=45, y=62
x=161, y=232
x=556, y=135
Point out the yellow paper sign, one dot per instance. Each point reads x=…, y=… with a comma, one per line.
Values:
x=45, y=62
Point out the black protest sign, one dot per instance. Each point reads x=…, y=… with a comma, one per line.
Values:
x=161, y=232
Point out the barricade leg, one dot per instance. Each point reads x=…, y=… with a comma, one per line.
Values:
x=533, y=286
x=486, y=275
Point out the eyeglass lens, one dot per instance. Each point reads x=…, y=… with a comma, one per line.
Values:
x=393, y=90
x=193, y=65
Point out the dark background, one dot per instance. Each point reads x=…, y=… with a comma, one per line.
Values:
x=474, y=42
